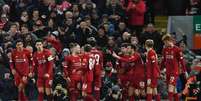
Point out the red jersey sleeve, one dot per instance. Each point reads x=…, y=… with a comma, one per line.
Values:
x=49, y=62
x=34, y=67
x=151, y=62
x=65, y=66
x=130, y=59
x=181, y=59
x=11, y=60
x=30, y=59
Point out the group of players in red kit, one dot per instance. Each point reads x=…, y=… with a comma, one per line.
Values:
x=82, y=70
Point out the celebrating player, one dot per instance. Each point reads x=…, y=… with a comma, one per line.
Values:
x=172, y=59
x=20, y=62
x=153, y=71
x=44, y=70
x=98, y=66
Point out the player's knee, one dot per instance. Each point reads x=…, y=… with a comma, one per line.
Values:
x=149, y=90
x=130, y=91
x=41, y=90
x=48, y=91
x=155, y=92
x=137, y=92
x=171, y=88
x=20, y=87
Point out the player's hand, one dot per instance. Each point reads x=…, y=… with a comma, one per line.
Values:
x=30, y=75
x=186, y=75
x=115, y=55
x=47, y=75
x=68, y=79
x=24, y=79
x=13, y=71
x=148, y=81
x=96, y=88
x=84, y=93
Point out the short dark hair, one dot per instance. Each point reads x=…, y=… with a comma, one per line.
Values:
x=132, y=46
x=87, y=47
x=39, y=40
x=149, y=43
x=72, y=45
x=19, y=40
x=91, y=41
x=124, y=45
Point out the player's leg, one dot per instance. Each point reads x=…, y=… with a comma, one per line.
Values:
x=131, y=93
x=149, y=93
x=156, y=94
x=40, y=87
x=171, y=87
x=48, y=90
x=155, y=91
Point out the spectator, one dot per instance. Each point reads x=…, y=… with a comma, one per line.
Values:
x=114, y=10
x=34, y=16
x=101, y=37
x=125, y=38
x=121, y=29
x=151, y=33
x=5, y=22
x=82, y=33
x=135, y=12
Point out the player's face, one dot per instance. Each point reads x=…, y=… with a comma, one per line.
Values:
x=19, y=45
x=77, y=49
x=129, y=50
x=167, y=42
x=39, y=45
x=123, y=50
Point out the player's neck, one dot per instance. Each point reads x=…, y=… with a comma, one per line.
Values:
x=40, y=50
x=148, y=49
x=19, y=49
x=74, y=54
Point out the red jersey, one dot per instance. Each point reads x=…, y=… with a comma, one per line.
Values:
x=137, y=68
x=122, y=69
x=88, y=62
x=43, y=63
x=172, y=58
x=152, y=67
x=73, y=67
x=98, y=56
x=98, y=67
x=21, y=61
x=123, y=66
x=55, y=43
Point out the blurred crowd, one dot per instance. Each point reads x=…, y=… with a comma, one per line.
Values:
x=61, y=22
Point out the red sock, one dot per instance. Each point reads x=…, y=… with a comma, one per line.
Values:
x=24, y=97
x=89, y=98
x=20, y=96
x=97, y=95
x=40, y=96
x=149, y=97
x=131, y=98
x=176, y=97
x=74, y=95
x=157, y=97
x=170, y=96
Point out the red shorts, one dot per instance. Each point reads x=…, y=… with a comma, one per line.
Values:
x=97, y=81
x=171, y=79
x=73, y=85
x=87, y=87
x=138, y=81
x=47, y=83
x=18, y=80
x=154, y=83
